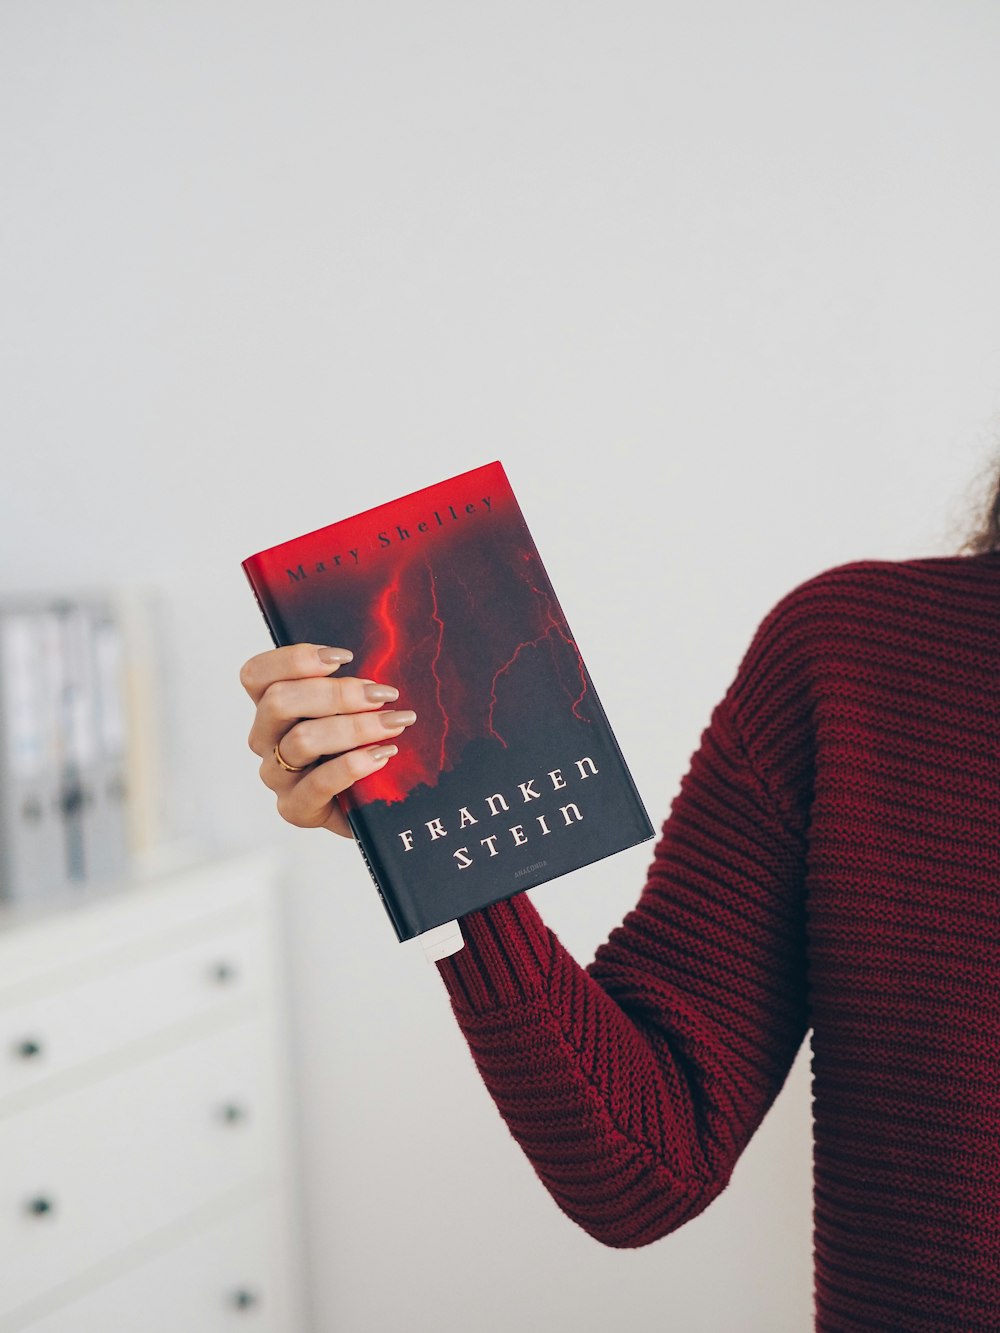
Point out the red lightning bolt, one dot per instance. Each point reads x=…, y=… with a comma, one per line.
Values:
x=385, y=617
x=557, y=625
x=553, y=624
x=434, y=662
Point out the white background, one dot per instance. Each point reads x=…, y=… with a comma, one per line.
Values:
x=718, y=283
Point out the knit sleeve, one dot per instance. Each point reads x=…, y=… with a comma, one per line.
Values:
x=634, y=1084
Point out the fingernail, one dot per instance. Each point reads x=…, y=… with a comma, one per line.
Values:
x=403, y=718
x=335, y=655
x=383, y=752
x=380, y=694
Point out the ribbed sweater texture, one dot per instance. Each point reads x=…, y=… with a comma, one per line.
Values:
x=829, y=866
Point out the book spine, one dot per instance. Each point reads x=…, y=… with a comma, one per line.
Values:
x=405, y=930
x=268, y=610
x=402, y=923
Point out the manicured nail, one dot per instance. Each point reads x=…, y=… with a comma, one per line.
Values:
x=403, y=717
x=383, y=752
x=336, y=656
x=380, y=694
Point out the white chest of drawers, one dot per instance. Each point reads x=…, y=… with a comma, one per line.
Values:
x=147, y=1163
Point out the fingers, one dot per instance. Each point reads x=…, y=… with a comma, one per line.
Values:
x=324, y=698
x=317, y=738
x=338, y=822
x=293, y=662
x=309, y=801
x=317, y=716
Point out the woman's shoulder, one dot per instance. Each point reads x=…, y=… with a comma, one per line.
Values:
x=847, y=605
x=846, y=622
x=875, y=585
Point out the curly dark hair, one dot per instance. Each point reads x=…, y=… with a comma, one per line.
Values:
x=985, y=533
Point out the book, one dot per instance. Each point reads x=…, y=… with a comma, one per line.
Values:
x=511, y=775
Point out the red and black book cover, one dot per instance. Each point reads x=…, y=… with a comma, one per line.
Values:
x=511, y=775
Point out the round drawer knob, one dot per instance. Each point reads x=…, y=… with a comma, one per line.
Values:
x=40, y=1206
x=30, y=1048
x=245, y=1298
x=233, y=1113
x=224, y=973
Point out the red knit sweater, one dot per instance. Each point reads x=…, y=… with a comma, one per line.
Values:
x=830, y=864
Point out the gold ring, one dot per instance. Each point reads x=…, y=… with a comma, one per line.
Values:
x=289, y=768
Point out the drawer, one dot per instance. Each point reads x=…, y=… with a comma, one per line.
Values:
x=87, y=1174
x=89, y=929
x=229, y=1277
x=61, y=1032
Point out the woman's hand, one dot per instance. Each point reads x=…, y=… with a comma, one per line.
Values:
x=315, y=717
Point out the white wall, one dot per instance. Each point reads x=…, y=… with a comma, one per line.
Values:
x=720, y=285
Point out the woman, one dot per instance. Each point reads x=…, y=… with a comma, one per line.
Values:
x=831, y=862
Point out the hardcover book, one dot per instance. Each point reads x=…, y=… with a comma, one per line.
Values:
x=511, y=775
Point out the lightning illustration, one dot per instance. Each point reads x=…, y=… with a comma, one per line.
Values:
x=384, y=615
x=463, y=678
x=554, y=625
x=435, y=615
